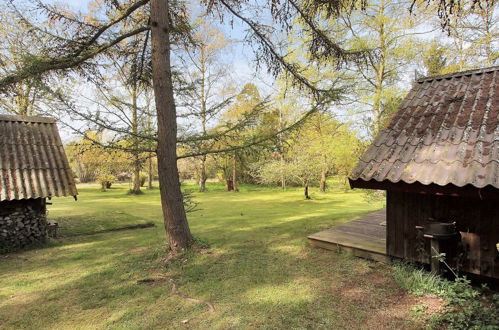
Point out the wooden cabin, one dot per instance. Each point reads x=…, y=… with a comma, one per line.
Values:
x=438, y=161
x=33, y=167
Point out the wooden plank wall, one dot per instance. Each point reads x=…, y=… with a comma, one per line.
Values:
x=477, y=220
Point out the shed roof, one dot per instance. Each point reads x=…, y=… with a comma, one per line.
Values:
x=445, y=132
x=33, y=163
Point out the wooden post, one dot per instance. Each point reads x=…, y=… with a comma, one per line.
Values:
x=435, y=262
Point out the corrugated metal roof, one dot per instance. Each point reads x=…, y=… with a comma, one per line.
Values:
x=33, y=163
x=445, y=132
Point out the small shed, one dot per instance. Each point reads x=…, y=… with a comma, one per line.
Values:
x=439, y=159
x=33, y=167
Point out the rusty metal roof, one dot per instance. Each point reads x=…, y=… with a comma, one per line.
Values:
x=445, y=132
x=33, y=163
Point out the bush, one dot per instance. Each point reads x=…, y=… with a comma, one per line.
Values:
x=467, y=307
x=142, y=179
x=106, y=181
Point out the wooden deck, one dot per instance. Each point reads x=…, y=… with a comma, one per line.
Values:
x=364, y=237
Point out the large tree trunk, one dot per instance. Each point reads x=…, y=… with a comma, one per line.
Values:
x=177, y=228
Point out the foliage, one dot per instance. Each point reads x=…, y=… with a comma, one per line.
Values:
x=418, y=281
x=467, y=307
x=435, y=59
x=142, y=179
x=371, y=195
x=321, y=147
x=389, y=36
x=473, y=36
x=106, y=181
x=89, y=159
x=19, y=42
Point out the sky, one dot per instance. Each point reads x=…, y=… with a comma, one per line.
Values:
x=239, y=58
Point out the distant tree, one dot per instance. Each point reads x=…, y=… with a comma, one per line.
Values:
x=435, y=59
x=388, y=33
x=250, y=106
x=321, y=147
x=474, y=35
x=89, y=159
x=207, y=94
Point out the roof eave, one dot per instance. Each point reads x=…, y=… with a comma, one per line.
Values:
x=469, y=191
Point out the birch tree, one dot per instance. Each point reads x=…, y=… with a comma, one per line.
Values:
x=208, y=94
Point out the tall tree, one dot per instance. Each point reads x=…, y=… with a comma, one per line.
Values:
x=474, y=35
x=388, y=33
x=174, y=214
x=435, y=59
x=247, y=104
x=27, y=97
x=208, y=94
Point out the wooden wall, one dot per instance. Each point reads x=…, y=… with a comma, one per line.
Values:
x=477, y=220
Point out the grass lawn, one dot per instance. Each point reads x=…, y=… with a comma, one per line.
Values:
x=259, y=271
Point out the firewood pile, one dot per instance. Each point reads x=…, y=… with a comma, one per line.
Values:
x=21, y=227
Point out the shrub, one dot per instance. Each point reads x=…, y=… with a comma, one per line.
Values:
x=467, y=307
x=142, y=179
x=106, y=181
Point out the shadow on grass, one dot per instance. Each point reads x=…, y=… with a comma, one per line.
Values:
x=261, y=277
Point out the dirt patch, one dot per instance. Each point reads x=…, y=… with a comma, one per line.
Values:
x=382, y=303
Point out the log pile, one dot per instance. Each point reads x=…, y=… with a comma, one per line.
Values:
x=21, y=227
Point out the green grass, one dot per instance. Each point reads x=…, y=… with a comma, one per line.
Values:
x=260, y=272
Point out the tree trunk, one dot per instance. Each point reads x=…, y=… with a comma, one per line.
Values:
x=150, y=176
x=323, y=183
x=136, y=174
x=283, y=176
x=136, y=157
x=281, y=151
x=307, y=196
x=176, y=225
x=202, y=175
x=234, y=173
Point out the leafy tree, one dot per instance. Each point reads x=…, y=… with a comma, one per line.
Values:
x=387, y=33
x=26, y=97
x=322, y=146
x=474, y=35
x=207, y=95
x=89, y=159
x=435, y=59
x=250, y=106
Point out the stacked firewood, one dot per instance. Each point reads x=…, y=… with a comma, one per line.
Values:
x=21, y=227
